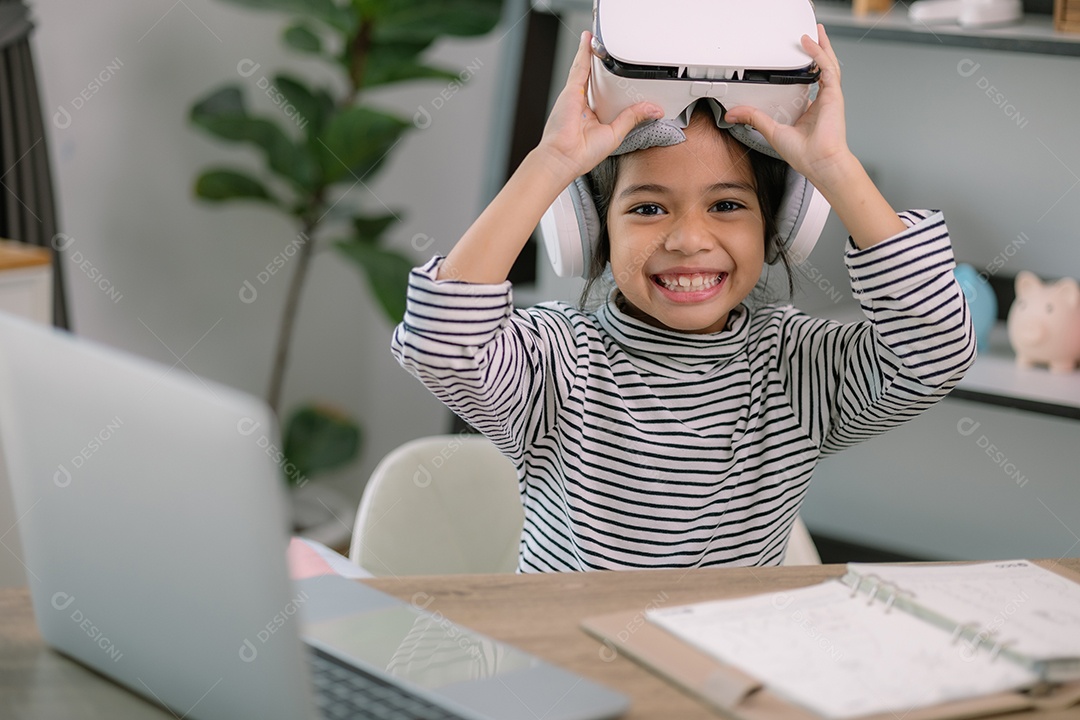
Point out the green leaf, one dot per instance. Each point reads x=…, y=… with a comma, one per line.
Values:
x=223, y=115
x=403, y=72
x=301, y=37
x=419, y=19
x=325, y=10
x=387, y=274
x=222, y=185
x=356, y=141
x=317, y=439
x=226, y=100
x=370, y=229
x=241, y=128
x=390, y=62
x=310, y=110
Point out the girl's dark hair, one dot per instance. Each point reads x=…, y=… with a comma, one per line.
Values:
x=770, y=182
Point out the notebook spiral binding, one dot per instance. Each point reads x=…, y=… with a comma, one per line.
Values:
x=975, y=635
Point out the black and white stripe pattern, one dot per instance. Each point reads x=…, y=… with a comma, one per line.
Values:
x=638, y=447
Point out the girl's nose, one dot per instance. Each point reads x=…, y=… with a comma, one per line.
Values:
x=688, y=235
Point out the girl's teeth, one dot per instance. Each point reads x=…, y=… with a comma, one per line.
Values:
x=688, y=283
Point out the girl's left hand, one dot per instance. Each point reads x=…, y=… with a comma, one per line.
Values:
x=816, y=145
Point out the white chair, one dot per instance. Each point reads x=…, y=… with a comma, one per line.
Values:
x=800, y=548
x=440, y=505
x=450, y=504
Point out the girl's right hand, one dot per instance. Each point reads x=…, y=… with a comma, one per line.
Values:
x=574, y=139
x=574, y=142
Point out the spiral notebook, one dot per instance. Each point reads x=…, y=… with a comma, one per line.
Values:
x=923, y=641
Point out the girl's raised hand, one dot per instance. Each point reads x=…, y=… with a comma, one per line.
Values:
x=573, y=137
x=816, y=145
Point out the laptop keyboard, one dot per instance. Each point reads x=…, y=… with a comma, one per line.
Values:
x=345, y=692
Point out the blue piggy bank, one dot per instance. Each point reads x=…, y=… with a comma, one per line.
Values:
x=981, y=300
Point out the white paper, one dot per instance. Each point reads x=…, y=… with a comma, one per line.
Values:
x=1034, y=611
x=839, y=656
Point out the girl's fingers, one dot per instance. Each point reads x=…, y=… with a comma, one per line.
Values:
x=578, y=77
x=633, y=116
x=823, y=40
x=822, y=54
x=757, y=119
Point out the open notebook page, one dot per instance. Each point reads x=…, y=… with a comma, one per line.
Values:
x=837, y=655
x=1038, y=611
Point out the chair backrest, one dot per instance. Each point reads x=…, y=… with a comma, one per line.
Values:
x=800, y=548
x=440, y=505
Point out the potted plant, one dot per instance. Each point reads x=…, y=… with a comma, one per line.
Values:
x=323, y=139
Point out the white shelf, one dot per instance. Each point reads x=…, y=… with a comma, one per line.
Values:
x=996, y=373
x=996, y=378
x=1036, y=34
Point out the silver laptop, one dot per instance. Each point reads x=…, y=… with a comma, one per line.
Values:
x=152, y=515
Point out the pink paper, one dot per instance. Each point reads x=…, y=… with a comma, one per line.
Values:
x=304, y=562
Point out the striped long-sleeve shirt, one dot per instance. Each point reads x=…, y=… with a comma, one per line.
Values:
x=640, y=447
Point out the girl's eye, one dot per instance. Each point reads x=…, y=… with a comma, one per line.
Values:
x=647, y=210
x=727, y=206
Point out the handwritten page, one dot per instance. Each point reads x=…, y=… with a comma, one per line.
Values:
x=838, y=655
x=1035, y=611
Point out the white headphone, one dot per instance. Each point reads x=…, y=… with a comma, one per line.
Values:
x=570, y=228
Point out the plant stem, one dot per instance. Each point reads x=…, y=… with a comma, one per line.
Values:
x=288, y=315
x=359, y=47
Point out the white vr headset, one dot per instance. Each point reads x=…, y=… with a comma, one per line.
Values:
x=723, y=52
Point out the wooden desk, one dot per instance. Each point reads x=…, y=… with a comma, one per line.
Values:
x=538, y=613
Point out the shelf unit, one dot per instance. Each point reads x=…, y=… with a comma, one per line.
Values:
x=990, y=471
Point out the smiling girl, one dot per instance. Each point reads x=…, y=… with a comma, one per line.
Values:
x=674, y=426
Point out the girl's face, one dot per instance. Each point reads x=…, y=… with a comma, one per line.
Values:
x=687, y=234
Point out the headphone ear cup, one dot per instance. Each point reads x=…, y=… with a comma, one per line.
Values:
x=799, y=220
x=570, y=229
